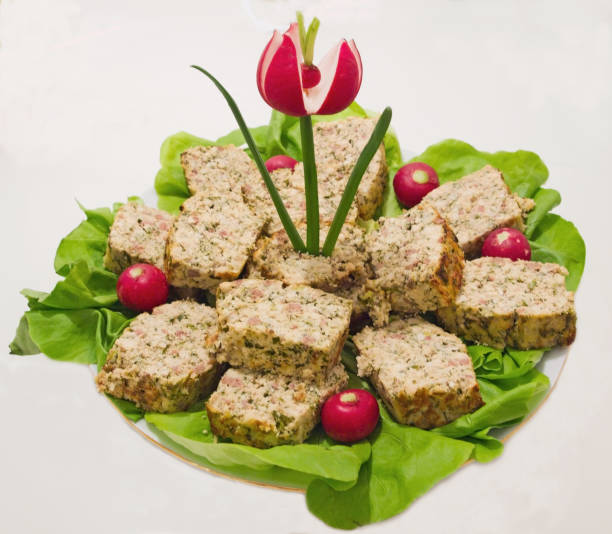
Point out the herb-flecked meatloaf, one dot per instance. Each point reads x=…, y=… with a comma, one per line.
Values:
x=423, y=374
x=417, y=263
x=211, y=240
x=160, y=361
x=477, y=204
x=138, y=235
x=267, y=409
x=290, y=186
x=276, y=258
x=229, y=171
x=519, y=304
x=296, y=331
x=338, y=145
x=218, y=169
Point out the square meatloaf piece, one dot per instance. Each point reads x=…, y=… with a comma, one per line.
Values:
x=423, y=374
x=477, y=204
x=276, y=258
x=160, y=361
x=295, y=331
x=267, y=409
x=138, y=235
x=519, y=304
x=228, y=170
x=417, y=263
x=211, y=240
x=338, y=145
x=218, y=169
x=290, y=186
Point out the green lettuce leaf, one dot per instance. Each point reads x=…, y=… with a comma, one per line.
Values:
x=170, y=182
x=494, y=364
x=317, y=457
x=82, y=336
x=486, y=448
x=545, y=200
x=87, y=242
x=277, y=139
x=126, y=407
x=506, y=400
x=523, y=171
x=84, y=287
x=557, y=240
x=236, y=138
x=405, y=463
x=23, y=345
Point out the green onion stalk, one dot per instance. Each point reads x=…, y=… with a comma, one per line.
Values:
x=311, y=188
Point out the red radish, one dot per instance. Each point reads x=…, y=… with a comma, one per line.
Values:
x=141, y=287
x=350, y=415
x=413, y=181
x=280, y=162
x=507, y=243
x=311, y=76
x=283, y=84
x=279, y=76
x=338, y=93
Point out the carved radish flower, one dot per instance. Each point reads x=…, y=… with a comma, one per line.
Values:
x=290, y=83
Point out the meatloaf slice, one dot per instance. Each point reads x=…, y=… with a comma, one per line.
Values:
x=519, y=304
x=296, y=330
x=211, y=240
x=160, y=361
x=338, y=145
x=423, y=374
x=267, y=409
x=138, y=235
x=416, y=261
x=290, y=186
x=348, y=265
x=228, y=171
x=218, y=169
x=477, y=204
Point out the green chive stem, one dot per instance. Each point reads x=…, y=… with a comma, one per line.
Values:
x=307, y=38
x=355, y=179
x=300, y=21
x=310, y=186
x=311, y=35
x=292, y=232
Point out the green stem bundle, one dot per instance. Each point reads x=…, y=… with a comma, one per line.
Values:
x=307, y=37
x=310, y=186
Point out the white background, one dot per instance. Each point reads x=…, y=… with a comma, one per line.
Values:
x=89, y=90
